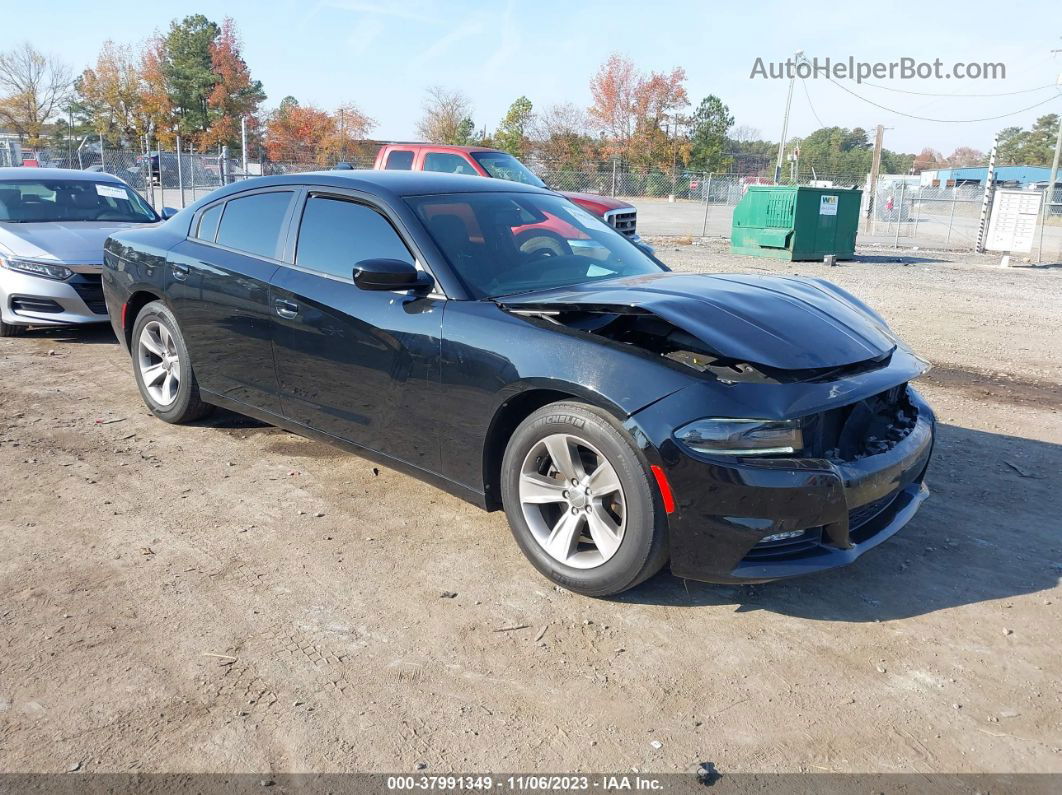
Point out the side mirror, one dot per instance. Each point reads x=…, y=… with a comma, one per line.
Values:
x=168, y=212
x=390, y=274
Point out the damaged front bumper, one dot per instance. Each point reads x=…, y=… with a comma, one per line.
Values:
x=826, y=512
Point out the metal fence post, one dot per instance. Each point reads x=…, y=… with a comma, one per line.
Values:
x=951, y=221
x=707, y=202
x=613, y=176
x=224, y=165
x=162, y=182
x=918, y=203
x=180, y=172
x=899, y=216
x=193, y=161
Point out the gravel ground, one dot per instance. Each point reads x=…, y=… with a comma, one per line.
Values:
x=231, y=597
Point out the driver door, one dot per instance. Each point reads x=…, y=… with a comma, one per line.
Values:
x=360, y=365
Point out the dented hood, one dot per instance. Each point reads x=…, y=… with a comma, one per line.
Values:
x=788, y=323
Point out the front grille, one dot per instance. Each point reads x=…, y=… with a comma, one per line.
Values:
x=623, y=221
x=40, y=306
x=89, y=287
x=864, y=428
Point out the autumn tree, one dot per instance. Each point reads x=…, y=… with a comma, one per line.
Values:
x=709, y=140
x=109, y=96
x=512, y=133
x=34, y=87
x=446, y=118
x=638, y=113
x=234, y=94
x=155, y=102
x=306, y=134
x=966, y=156
x=928, y=160
x=561, y=137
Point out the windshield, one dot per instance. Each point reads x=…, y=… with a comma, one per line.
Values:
x=505, y=243
x=41, y=201
x=504, y=166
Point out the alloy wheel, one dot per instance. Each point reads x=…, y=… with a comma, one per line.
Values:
x=160, y=366
x=572, y=500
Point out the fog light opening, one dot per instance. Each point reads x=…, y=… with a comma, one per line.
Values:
x=781, y=536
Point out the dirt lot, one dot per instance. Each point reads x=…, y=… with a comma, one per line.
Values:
x=230, y=597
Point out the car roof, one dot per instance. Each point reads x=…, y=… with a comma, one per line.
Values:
x=440, y=147
x=393, y=183
x=23, y=173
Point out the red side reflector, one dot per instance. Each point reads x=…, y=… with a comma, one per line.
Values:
x=123, y=314
x=665, y=488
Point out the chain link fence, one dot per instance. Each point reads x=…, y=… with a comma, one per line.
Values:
x=677, y=204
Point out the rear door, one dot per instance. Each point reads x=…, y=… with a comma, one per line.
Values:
x=220, y=283
x=359, y=365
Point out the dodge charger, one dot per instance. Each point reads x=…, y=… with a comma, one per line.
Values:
x=737, y=428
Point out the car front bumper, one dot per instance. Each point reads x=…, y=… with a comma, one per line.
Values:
x=27, y=300
x=724, y=508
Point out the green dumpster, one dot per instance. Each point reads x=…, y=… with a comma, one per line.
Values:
x=796, y=223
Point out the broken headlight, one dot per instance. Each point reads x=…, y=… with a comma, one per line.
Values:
x=742, y=437
x=46, y=269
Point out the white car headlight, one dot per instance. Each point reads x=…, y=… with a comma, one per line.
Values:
x=742, y=437
x=48, y=270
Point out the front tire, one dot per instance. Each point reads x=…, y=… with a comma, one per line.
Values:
x=11, y=330
x=162, y=367
x=580, y=501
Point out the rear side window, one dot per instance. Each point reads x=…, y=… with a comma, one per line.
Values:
x=252, y=224
x=208, y=224
x=336, y=234
x=399, y=160
x=451, y=164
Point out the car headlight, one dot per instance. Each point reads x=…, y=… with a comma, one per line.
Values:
x=34, y=268
x=742, y=437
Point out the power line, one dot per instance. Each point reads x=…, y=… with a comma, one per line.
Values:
x=932, y=94
x=810, y=103
x=942, y=121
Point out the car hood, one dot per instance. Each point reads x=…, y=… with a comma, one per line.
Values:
x=72, y=242
x=780, y=322
x=605, y=203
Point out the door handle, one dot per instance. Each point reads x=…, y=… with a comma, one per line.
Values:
x=180, y=272
x=286, y=309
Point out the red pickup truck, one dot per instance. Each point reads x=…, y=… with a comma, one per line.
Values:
x=485, y=162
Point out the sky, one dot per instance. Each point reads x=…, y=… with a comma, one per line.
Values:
x=383, y=55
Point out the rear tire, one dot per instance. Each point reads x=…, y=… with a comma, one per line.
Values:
x=581, y=502
x=162, y=367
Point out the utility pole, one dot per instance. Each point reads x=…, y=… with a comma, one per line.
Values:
x=986, y=200
x=875, y=167
x=785, y=118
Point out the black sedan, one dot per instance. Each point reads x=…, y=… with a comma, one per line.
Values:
x=500, y=342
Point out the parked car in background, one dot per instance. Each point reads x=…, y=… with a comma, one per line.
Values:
x=52, y=226
x=486, y=162
x=169, y=171
x=745, y=427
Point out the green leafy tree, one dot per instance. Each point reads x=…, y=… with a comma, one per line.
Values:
x=512, y=133
x=708, y=136
x=189, y=71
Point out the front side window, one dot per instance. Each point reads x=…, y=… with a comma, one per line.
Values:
x=505, y=243
x=252, y=224
x=50, y=200
x=336, y=234
x=502, y=165
x=447, y=163
x=399, y=160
